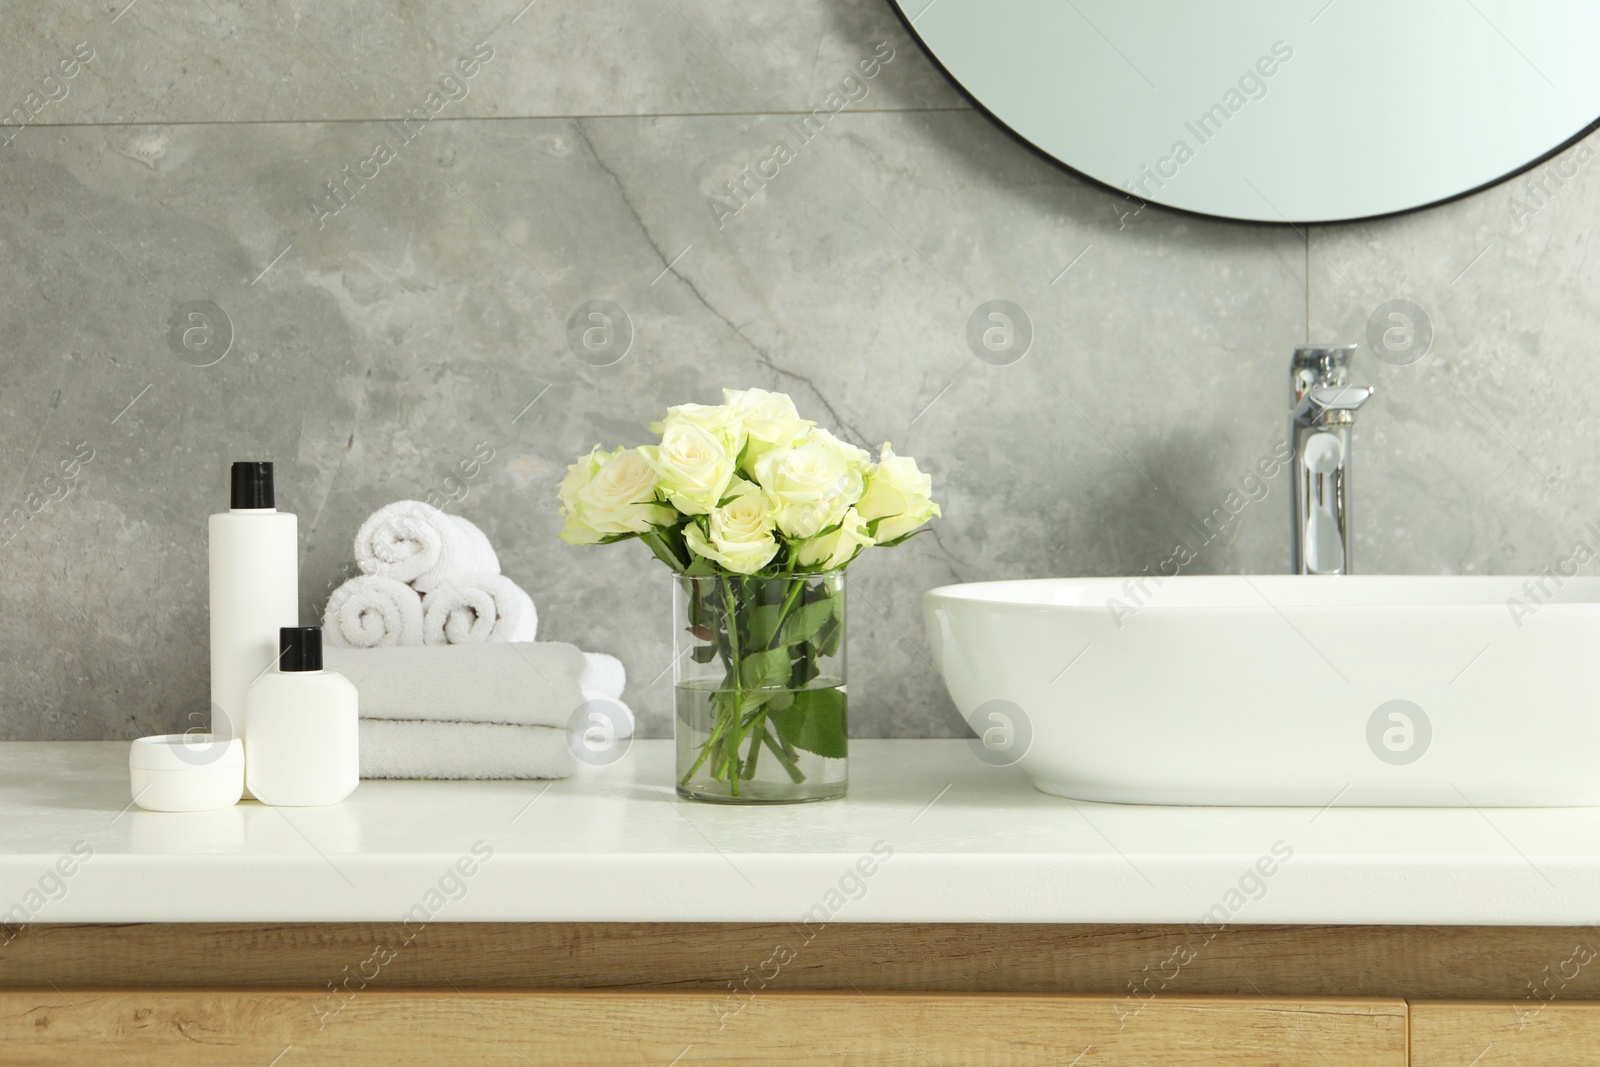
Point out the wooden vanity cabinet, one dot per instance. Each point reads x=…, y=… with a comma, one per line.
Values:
x=912, y=994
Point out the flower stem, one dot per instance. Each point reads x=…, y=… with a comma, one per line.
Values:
x=788, y=761
x=730, y=754
x=706, y=749
x=795, y=586
x=755, y=747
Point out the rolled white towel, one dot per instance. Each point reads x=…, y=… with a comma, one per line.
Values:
x=469, y=609
x=535, y=683
x=417, y=543
x=462, y=750
x=603, y=676
x=371, y=611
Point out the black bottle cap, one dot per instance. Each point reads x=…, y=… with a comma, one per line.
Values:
x=252, y=485
x=300, y=648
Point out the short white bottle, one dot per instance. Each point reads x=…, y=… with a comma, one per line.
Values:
x=301, y=742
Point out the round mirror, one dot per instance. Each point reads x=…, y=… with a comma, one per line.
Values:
x=1274, y=111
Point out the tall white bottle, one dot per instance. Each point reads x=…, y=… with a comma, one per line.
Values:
x=255, y=591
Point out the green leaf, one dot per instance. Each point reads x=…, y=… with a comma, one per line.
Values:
x=814, y=722
x=752, y=703
x=806, y=620
x=700, y=568
x=764, y=624
x=830, y=637
x=703, y=653
x=805, y=668
x=765, y=670
x=903, y=538
x=658, y=543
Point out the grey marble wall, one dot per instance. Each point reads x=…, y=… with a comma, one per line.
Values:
x=373, y=337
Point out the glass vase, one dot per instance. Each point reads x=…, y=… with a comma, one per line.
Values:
x=759, y=688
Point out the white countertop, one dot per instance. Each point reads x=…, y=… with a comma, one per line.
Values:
x=956, y=841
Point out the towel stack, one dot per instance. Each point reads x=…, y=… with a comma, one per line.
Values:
x=490, y=710
x=441, y=647
x=427, y=579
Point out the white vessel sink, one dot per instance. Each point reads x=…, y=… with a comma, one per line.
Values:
x=1282, y=690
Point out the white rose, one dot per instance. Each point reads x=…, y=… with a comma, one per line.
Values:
x=719, y=420
x=898, y=498
x=694, y=465
x=836, y=548
x=621, y=497
x=741, y=531
x=607, y=494
x=770, y=421
x=575, y=531
x=813, y=482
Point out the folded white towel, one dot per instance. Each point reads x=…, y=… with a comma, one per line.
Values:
x=537, y=683
x=370, y=611
x=417, y=543
x=462, y=750
x=469, y=609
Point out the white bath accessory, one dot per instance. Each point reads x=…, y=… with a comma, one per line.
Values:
x=391, y=749
x=477, y=607
x=530, y=684
x=372, y=611
x=302, y=739
x=417, y=543
x=186, y=772
x=254, y=590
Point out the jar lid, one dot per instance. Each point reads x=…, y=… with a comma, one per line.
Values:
x=185, y=752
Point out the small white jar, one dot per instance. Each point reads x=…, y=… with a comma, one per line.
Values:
x=186, y=772
x=301, y=727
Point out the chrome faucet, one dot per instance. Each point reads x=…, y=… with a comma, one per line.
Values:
x=1322, y=408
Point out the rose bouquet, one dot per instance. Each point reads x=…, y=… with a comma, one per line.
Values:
x=757, y=511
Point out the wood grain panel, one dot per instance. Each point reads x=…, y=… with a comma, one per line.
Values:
x=608, y=1029
x=1506, y=1034
x=1499, y=963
